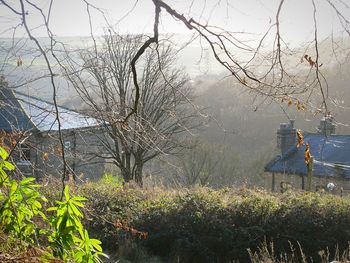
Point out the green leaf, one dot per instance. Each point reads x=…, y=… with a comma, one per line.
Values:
x=4, y=177
x=96, y=244
x=79, y=198
x=66, y=193
x=25, y=210
x=3, y=153
x=13, y=187
x=78, y=204
x=63, y=223
x=43, y=198
x=68, y=230
x=37, y=204
x=27, y=180
x=42, y=215
x=9, y=165
x=75, y=210
x=78, y=256
x=77, y=223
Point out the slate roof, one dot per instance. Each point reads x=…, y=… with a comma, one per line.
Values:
x=331, y=157
x=22, y=112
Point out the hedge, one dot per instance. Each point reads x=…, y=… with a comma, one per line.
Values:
x=206, y=225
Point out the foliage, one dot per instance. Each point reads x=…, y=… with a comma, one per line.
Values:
x=66, y=226
x=206, y=225
x=21, y=203
x=18, y=210
x=107, y=203
x=114, y=180
x=4, y=165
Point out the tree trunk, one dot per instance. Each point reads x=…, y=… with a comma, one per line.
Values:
x=138, y=172
x=126, y=167
x=124, y=174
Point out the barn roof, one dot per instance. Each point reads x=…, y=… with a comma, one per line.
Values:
x=331, y=157
x=19, y=111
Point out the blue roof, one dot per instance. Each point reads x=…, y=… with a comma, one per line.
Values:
x=12, y=116
x=331, y=157
x=22, y=112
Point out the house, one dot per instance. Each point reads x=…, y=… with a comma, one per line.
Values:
x=38, y=152
x=331, y=154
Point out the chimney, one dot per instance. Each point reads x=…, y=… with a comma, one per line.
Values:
x=286, y=136
x=326, y=127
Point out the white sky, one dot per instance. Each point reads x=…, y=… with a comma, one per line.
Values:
x=69, y=17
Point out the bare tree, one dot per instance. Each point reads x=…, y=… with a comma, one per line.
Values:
x=206, y=164
x=104, y=84
x=267, y=74
x=199, y=165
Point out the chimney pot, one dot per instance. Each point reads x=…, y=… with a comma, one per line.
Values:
x=326, y=127
x=286, y=136
x=292, y=121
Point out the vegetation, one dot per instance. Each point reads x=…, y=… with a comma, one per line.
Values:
x=206, y=225
x=102, y=78
x=186, y=225
x=142, y=104
x=22, y=210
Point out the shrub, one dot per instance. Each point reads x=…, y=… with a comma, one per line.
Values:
x=114, y=180
x=21, y=203
x=205, y=225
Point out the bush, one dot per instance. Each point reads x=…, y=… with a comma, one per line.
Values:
x=205, y=225
x=21, y=208
x=114, y=180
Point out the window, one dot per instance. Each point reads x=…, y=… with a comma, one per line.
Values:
x=24, y=155
x=67, y=145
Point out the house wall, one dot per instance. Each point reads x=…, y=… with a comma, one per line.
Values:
x=81, y=147
x=295, y=182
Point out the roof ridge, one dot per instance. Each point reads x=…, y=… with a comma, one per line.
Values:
x=40, y=114
x=322, y=135
x=331, y=157
x=48, y=102
x=51, y=103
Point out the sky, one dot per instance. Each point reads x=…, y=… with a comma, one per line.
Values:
x=248, y=19
x=70, y=17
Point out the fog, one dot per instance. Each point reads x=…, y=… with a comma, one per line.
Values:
x=238, y=134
